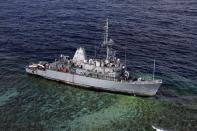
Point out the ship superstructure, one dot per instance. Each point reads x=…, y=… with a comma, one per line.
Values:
x=101, y=73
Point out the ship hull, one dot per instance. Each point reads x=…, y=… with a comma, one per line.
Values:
x=135, y=88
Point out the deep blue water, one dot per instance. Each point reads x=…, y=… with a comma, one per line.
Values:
x=33, y=30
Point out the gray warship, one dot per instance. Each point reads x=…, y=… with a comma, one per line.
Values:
x=108, y=73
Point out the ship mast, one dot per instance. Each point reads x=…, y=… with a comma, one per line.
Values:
x=107, y=43
x=106, y=31
x=154, y=70
x=125, y=56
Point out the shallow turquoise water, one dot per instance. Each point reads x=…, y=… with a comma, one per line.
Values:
x=36, y=103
